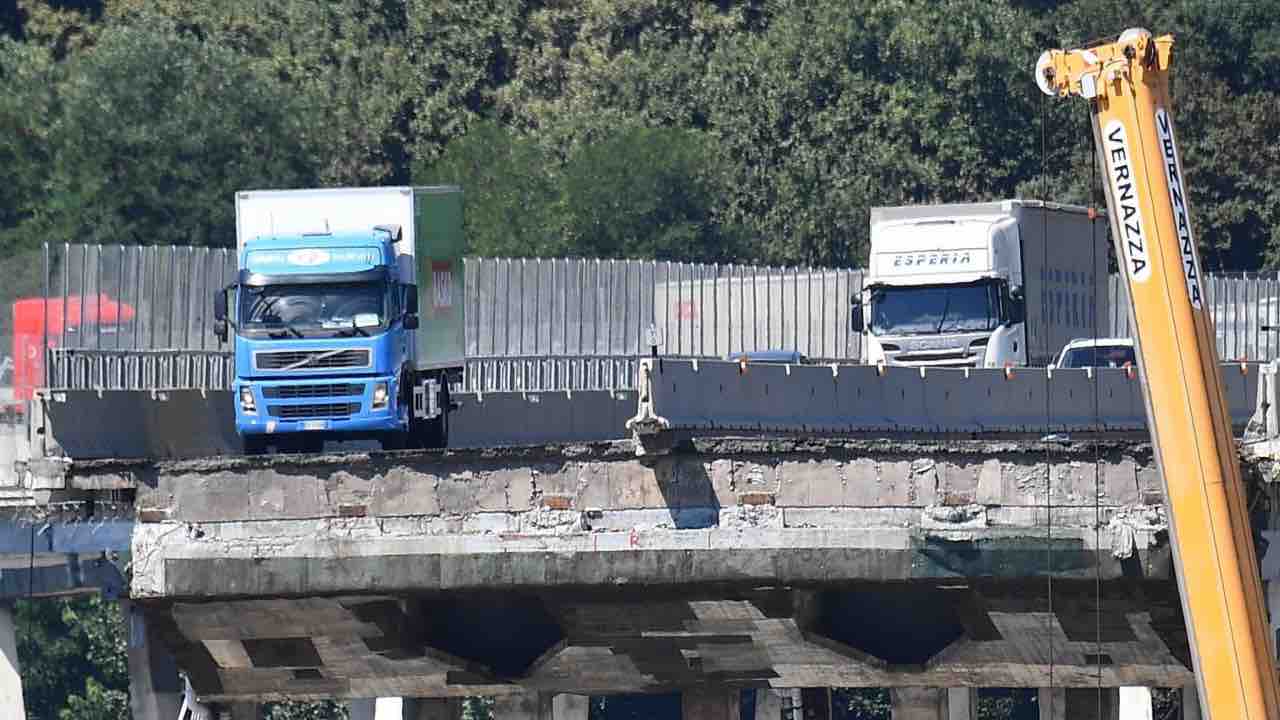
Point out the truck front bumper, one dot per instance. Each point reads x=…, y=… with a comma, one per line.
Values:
x=336, y=406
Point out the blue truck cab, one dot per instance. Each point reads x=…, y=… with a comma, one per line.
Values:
x=327, y=324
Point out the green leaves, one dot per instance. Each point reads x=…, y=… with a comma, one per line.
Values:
x=748, y=129
x=74, y=663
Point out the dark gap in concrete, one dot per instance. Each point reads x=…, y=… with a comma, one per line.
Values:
x=972, y=613
x=505, y=633
x=401, y=636
x=900, y=624
x=282, y=653
x=307, y=674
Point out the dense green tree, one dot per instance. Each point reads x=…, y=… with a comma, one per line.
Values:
x=74, y=665
x=153, y=134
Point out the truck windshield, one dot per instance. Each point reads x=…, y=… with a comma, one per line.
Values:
x=933, y=309
x=311, y=310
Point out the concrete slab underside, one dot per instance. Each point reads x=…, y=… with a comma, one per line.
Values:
x=622, y=641
x=584, y=569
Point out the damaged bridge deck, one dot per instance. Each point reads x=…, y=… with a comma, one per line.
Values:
x=587, y=569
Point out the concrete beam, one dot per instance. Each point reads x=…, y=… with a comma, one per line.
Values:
x=155, y=689
x=11, y=704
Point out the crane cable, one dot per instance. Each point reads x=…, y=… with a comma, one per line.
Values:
x=1048, y=408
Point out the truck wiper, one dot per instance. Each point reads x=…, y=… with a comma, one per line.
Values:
x=284, y=333
x=351, y=331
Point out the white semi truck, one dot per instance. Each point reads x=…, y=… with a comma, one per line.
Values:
x=998, y=284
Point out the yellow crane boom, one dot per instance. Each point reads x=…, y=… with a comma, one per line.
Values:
x=1127, y=85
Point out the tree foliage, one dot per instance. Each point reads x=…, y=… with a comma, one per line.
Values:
x=747, y=129
x=74, y=665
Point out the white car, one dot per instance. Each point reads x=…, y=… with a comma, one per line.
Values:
x=1100, y=352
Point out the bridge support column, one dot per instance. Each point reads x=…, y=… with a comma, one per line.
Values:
x=522, y=706
x=362, y=708
x=769, y=704
x=1191, y=703
x=962, y=704
x=1134, y=703
x=713, y=703
x=11, y=704
x=566, y=706
x=1053, y=703
x=918, y=703
x=155, y=689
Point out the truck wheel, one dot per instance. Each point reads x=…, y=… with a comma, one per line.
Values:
x=254, y=445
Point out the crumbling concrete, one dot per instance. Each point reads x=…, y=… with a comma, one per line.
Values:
x=584, y=569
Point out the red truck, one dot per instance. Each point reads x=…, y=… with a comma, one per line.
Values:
x=80, y=320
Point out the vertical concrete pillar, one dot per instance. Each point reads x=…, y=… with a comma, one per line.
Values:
x=1053, y=703
x=962, y=704
x=566, y=706
x=713, y=703
x=1191, y=703
x=155, y=689
x=1095, y=703
x=1135, y=704
x=918, y=703
x=768, y=704
x=11, y=704
x=522, y=706
x=362, y=708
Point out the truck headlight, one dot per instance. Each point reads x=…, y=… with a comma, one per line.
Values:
x=246, y=400
x=379, y=395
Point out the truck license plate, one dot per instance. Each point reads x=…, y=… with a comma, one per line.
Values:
x=315, y=425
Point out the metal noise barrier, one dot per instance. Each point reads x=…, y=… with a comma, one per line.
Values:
x=860, y=399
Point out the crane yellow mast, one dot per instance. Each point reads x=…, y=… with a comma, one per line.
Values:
x=1127, y=85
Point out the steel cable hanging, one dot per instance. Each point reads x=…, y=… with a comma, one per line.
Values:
x=1048, y=409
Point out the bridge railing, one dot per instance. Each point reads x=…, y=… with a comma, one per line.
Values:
x=529, y=322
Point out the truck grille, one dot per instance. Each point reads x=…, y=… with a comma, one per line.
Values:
x=295, y=392
x=311, y=359
x=324, y=410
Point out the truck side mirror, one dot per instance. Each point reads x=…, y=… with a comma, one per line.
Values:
x=409, y=301
x=856, y=321
x=1017, y=306
x=220, y=314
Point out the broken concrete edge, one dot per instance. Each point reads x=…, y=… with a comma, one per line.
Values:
x=129, y=471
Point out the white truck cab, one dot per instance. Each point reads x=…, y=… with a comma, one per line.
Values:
x=980, y=285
